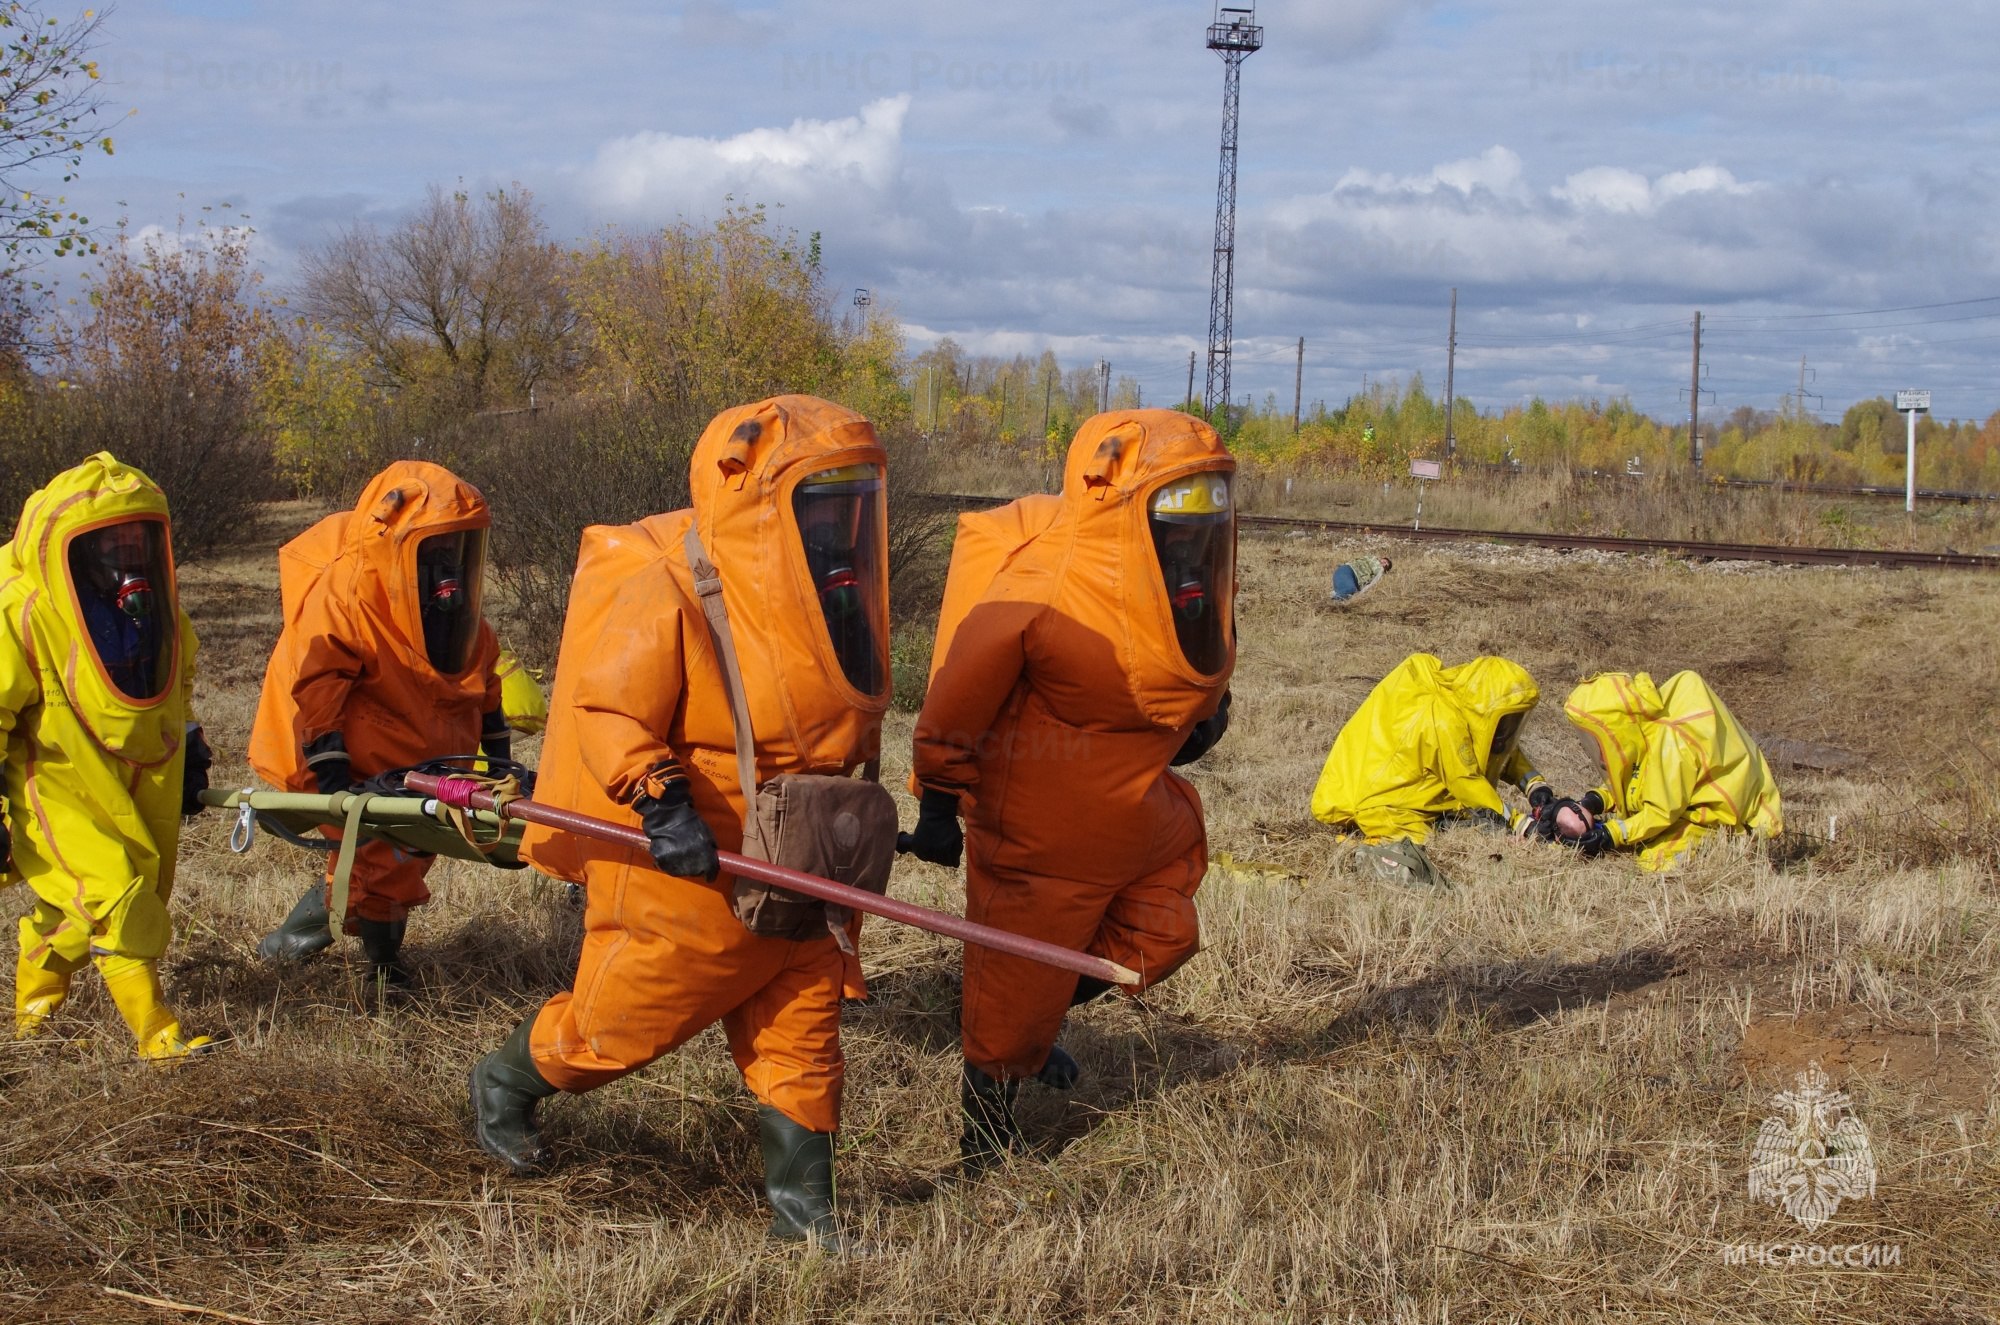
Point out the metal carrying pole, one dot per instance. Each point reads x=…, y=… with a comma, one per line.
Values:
x=455, y=790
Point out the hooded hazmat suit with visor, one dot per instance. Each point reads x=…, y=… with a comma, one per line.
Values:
x=96, y=684
x=384, y=662
x=787, y=503
x=1429, y=741
x=1678, y=765
x=1083, y=639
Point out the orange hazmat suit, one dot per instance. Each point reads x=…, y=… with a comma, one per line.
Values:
x=639, y=703
x=95, y=715
x=1429, y=741
x=1075, y=655
x=354, y=661
x=1678, y=765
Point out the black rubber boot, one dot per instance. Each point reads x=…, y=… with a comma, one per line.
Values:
x=1060, y=1072
x=988, y=1108
x=305, y=932
x=1087, y=988
x=798, y=1181
x=505, y=1087
x=382, y=943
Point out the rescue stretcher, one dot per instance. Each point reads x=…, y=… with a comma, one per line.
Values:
x=472, y=818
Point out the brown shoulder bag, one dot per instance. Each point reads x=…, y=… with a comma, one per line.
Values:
x=837, y=827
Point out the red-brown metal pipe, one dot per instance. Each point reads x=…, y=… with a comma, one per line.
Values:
x=763, y=871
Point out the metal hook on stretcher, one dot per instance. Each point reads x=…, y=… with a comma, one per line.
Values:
x=244, y=831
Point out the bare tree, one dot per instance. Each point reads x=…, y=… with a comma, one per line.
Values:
x=465, y=300
x=158, y=367
x=50, y=117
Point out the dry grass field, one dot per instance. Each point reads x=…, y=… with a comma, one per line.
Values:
x=1658, y=506
x=1530, y=1097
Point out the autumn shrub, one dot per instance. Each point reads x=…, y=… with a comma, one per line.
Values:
x=549, y=474
x=159, y=369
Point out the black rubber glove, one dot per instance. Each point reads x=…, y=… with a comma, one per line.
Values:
x=494, y=738
x=1205, y=734
x=1594, y=803
x=937, y=838
x=327, y=759
x=1545, y=818
x=1540, y=796
x=679, y=839
x=194, y=771
x=1595, y=841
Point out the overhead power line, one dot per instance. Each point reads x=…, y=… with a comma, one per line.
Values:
x=1859, y=312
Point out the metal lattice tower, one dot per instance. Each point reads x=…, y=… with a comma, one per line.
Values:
x=1234, y=36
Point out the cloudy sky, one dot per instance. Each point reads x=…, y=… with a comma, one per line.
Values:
x=1819, y=179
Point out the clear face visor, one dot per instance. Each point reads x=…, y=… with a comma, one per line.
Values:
x=840, y=515
x=1506, y=739
x=451, y=573
x=124, y=588
x=1193, y=524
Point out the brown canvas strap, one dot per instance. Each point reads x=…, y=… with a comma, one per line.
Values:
x=708, y=587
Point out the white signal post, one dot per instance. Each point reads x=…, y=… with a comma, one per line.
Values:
x=1424, y=471
x=1910, y=404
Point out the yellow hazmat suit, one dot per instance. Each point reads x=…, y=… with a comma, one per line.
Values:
x=92, y=783
x=1677, y=764
x=1428, y=741
x=521, y=697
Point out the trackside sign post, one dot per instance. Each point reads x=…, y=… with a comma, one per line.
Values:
x=1910, y=404
x=1424, y=471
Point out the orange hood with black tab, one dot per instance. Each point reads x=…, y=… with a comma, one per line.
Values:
x=351, y=657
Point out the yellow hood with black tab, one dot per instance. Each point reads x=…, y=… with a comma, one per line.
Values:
x=1677, y=764
x=1422, y=745
x=92, y=780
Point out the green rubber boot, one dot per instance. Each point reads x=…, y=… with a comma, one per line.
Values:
x=305, y=932
x=988, y=1109
x=382, y=943
x=798, y=1180
x=505, y=1087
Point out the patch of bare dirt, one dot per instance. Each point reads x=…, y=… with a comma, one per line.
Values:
x=1849, y=1043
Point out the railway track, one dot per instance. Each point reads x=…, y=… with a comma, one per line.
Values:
x=1861, y=490
x=1675, y=547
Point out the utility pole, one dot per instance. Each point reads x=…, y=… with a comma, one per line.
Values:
x=1190, y=395
x=1103, y=385
x=1450, y=362
x=1234, y=36
x=1799, y=399
x=1694, y=400
x=1048, y=390
x=1298, y=384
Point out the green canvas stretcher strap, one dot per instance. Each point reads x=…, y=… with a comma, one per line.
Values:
x=343, y=861
x=408, y=823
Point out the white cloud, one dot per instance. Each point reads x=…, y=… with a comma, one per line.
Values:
x=1615, y=189
x=1497, y=170
x=164, y=242
x=1611, y=188
x=1483, y=219
x=651, y=172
